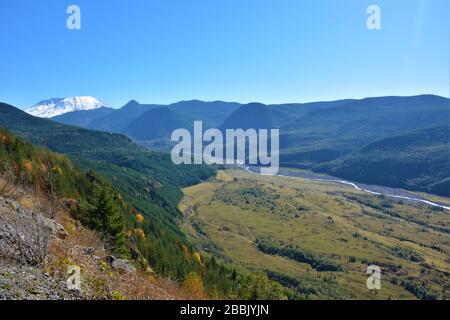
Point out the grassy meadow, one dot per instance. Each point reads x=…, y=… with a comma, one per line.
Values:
x=317, y=238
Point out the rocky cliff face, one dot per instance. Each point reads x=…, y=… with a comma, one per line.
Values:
x=36, y=251
x=25, y=239
x=25, y=236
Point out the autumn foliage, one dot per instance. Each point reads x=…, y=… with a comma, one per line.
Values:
x=193, y=286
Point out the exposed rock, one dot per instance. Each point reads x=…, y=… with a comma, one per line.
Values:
x=56, y=229
x=29, y=271
x=23, y=282
x=89, y=251
x=24, y=234
x=123, y=265
x=110, y=259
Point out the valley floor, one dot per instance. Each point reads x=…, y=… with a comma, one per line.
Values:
x=317, y=238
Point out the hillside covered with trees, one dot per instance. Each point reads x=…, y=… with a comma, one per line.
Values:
x=149, y=239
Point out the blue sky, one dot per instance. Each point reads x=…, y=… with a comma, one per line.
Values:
x=163, y=51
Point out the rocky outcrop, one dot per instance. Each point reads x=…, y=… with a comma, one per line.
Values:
x=24, y=282
x=30, y=271
x=123, y=266
x=26, y=235
x=56, y=229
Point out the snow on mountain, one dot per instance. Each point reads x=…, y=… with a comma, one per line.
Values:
x=57, y=106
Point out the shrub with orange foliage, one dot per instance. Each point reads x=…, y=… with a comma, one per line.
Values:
x=193, y=286
x=28, y=165
x=140, y=217
x=4, y=138
x=140, y=232
x=43, y=167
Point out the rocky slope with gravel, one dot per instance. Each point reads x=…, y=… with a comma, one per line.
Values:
x=37, y=252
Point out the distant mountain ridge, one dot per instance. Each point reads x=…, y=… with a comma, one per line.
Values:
x=83, y=118
x=332, y=136
x=156, y=123
x=120, y=120
x=418, y=160
x=58, y=106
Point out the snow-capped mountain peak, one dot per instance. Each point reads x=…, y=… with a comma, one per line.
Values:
x=57, y=106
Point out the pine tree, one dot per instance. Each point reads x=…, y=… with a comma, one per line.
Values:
x=106, y=216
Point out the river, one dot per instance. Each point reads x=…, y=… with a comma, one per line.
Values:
x=372, y=189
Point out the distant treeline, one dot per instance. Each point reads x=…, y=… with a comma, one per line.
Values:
x=295, y=253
